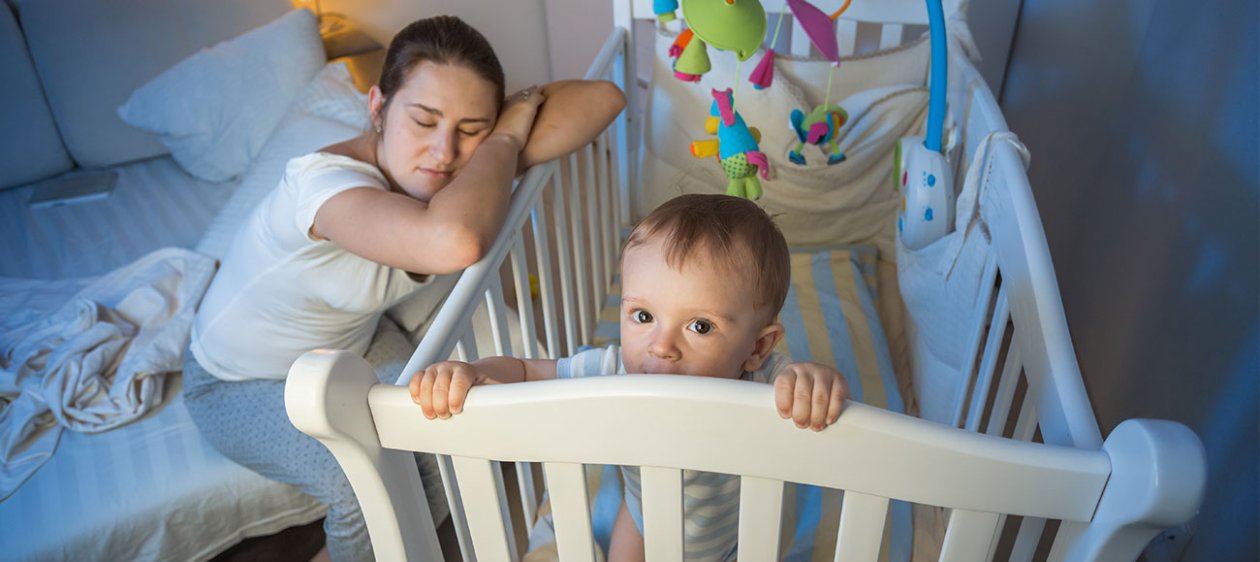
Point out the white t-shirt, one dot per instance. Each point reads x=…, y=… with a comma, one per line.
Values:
x=280, y=293
x=710, y=501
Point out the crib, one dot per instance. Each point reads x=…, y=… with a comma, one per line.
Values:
x=1006, y=447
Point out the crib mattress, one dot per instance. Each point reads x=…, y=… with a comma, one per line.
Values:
x=153, y=489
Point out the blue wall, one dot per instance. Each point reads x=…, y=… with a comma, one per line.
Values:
x=1142, y=120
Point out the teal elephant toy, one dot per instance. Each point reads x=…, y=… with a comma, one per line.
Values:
x=736, y=147
x=818, y=127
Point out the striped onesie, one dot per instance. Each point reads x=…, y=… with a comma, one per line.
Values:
x=710, y=501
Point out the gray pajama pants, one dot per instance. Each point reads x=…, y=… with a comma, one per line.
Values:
x=247, y=423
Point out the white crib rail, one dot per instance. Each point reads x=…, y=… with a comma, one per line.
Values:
x=1119, y=495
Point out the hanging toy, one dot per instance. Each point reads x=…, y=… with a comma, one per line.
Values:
x=735, y=146
x=731, y=25
x=822, y=124
x=818, y=128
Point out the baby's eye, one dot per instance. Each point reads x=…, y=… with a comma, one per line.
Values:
x=641, y=316
x=701, y=327
x=469, y=133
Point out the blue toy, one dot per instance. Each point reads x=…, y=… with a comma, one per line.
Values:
x=818, y=128
x=736, y=147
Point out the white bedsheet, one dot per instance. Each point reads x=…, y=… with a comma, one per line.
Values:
x=154, y=489
x=96, y=359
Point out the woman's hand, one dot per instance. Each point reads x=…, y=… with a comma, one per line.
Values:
x=516, y=119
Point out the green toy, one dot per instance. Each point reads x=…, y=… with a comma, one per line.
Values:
x=731, y=25
x=818, y=127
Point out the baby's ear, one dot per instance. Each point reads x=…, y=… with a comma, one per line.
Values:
x=766, y=340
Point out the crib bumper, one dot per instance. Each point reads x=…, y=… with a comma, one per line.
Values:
x=1158, y=475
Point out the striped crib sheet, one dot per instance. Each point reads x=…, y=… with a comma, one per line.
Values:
x=829, y=317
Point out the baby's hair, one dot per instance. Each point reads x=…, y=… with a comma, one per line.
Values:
x=732, y=231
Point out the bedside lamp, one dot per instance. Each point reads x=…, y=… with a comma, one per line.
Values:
x=345, y=42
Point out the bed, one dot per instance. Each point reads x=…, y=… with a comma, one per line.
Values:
x=150, y=488
x=972, y=405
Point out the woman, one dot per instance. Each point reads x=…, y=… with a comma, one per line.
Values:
x=356, y=227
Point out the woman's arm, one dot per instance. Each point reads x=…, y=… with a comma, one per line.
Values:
x=456, y=227
x=574, y=113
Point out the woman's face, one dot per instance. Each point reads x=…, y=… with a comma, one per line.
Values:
x=431, y=125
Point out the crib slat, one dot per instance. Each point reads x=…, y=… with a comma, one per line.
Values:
x=592, y=190
x=466, y=347
x=984, y=376
x=622, y=144
x=1026, y=425
x=546, y=288
x=498, y=318
x=890, y=35
x=456, y=505
x=801, y=46
x=662, y=514
x=1026, y=539
x=1069, y=531
x=564, y=255
x=524, y=300
x=968, y=536
x=581, y=272
x=529, y=495
x=862, y=519
x=485, y=507
x=760, y=511
x=609, y=225
x=603, y=226
x=1005, y=396
x=978, y=318
x=566, y=486
x=846, y=36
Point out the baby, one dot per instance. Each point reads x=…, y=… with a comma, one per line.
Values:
x=703, y=279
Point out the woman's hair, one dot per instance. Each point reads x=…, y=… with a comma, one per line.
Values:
x=440, y=40
x=732, y=231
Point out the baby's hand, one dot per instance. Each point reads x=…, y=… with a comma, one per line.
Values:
x=811, y=394
x=440, y=390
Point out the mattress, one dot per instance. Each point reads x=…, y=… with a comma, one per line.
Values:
x=154, y=204
x=153, y=489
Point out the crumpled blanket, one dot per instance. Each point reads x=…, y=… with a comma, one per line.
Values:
x=90, y=354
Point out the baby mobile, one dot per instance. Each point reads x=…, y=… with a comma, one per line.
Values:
x=740, y=26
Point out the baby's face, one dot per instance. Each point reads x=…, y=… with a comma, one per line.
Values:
x=697, y=321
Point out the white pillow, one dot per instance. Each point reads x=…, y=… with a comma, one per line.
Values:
x=215, y=109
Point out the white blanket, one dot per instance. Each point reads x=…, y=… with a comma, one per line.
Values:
x=90, y=354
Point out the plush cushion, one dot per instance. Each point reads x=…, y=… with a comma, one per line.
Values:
x=91, y=55
x=299, y=132
x=215, y=109
x=30, y=147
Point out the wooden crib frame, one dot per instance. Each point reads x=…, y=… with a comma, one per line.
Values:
x=1110, y=497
